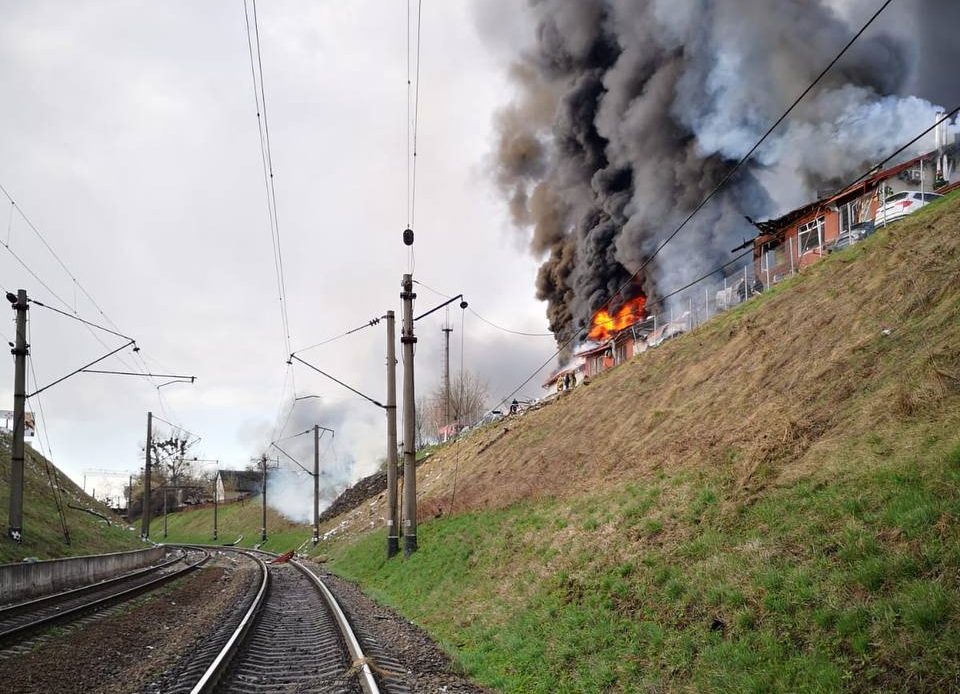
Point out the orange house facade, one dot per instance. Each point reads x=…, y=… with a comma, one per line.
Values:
x=807, y=234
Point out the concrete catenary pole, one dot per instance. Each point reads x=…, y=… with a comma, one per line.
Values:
x=164, y=490
x=130, y=500
x=20, y=351
x=263, y=493
x=145, y=512
x=393, y=517
x=407, y=339
x=316, y=483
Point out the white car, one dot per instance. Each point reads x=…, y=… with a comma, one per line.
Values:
x=902, y=204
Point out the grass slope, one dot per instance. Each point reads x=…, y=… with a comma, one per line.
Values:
x=769, y=503
x=43, y=537
x=233, y=521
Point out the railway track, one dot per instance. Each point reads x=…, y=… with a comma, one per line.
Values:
x=288, y=635
x=20, y=621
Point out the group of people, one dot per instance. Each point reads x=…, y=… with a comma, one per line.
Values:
x=566, y=382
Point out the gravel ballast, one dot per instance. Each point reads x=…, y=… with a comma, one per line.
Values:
x=427, y=669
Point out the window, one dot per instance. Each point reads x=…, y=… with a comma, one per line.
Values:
x=810, y=235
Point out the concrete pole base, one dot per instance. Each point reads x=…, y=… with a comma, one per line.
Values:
x=393, y=547
x=409, y=545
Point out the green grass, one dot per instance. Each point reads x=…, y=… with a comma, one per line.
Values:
x=43, y=537
x=840, y=582
x=233, y=520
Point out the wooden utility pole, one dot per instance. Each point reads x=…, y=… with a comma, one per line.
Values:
x=145, y=514
x=20, y=351
x=393, y=517
x=407, y=339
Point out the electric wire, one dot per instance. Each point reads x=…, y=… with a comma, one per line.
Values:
x=76, y=283
x=266, y=156
x=723, y=182
x=743, y=160
x=566, y=343
x=416, y=121
x=457, y=443
x=485, y=320
x=47, y=455
x=369, y=324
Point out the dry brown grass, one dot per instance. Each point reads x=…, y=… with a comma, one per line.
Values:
x=752, y=394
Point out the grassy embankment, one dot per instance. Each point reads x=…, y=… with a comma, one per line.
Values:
x=43, y=537
x=769, y=503
x=233, y=520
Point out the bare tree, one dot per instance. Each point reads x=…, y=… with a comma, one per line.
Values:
x=468, y=399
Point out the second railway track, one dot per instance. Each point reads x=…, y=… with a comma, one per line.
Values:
x=19, y=621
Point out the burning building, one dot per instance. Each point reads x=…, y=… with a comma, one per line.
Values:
x=628, y=113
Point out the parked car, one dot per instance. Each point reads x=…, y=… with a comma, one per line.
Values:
x=857, y=233
x=900, y=205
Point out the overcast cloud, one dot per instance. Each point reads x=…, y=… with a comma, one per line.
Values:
x=128, y=136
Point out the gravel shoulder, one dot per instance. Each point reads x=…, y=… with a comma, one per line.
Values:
x=428, y=669
x=121, y=651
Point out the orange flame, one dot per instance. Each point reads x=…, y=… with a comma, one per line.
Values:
x=605, y=325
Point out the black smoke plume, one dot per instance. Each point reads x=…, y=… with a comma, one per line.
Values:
x=630, y=111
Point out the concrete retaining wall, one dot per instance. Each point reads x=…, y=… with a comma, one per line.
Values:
x=27, y=580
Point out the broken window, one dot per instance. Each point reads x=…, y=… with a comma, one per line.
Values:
x=810, y=235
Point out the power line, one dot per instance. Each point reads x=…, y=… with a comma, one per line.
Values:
x=577, y=334
x=266, y=155
x=85, y=322
x=77, y=284
x=369, y=324
x=485, y=320
x=753, y=149
x=416, y=121
x=869, y=171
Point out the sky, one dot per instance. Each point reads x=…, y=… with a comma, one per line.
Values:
x=128, y=137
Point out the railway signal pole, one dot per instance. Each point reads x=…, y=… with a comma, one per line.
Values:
x=20, y=351
x=393, y=519
x=407, y=339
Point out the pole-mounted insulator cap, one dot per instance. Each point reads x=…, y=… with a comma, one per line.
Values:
x=463, y=304
x=408, y=237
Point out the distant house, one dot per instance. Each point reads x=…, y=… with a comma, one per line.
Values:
x=807, y=234
x=237, y=484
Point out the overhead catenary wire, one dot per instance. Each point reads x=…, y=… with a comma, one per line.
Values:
x=47, y=455
x=369, y=324
x=679, y=290
x=266, y=155
x=746, y=157
x=73, y=278
x=482, y=318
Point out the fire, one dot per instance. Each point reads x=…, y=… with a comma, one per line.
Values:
x=604, y=324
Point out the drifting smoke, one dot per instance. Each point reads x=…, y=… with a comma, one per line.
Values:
x=630, y=111
x=289, y=488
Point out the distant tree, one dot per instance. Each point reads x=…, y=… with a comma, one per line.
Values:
x=468, y=400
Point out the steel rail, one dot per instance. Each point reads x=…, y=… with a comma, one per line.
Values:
x=219, y=665
x=367, y=681
x=34, y=603
x=120, y=596
x=210, y=678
